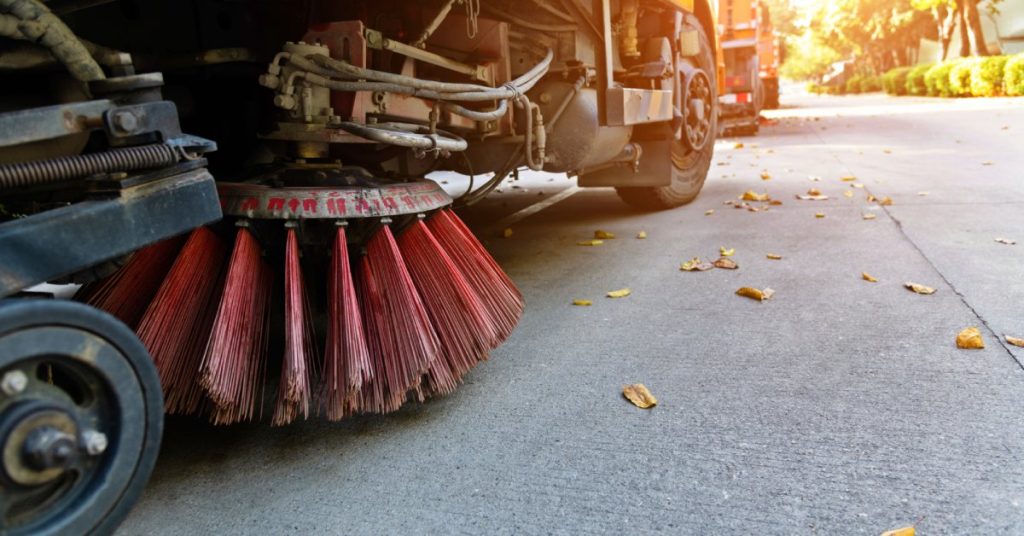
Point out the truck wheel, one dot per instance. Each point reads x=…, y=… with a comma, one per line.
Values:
x=689, y=167
x=81, y=417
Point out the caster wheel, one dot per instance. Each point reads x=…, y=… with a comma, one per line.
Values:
x=81, y=417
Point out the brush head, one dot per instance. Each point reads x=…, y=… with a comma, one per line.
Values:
x=346, y=358
x=293, y=396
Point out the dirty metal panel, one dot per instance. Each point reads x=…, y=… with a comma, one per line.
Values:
x=343, y=202
x=655, y=169
x=629, y=106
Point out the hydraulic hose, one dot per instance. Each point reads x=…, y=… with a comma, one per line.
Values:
x=36, y=23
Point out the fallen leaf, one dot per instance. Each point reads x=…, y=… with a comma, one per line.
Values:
x=848, y=193
x=813, y=191
x=726, y=263
x=696, y=265
x=905, y=531
x=590, y=242
x=847, y=178
x=642, y=235
x=709, y=212
x=1014, y=341
x=583, y=303
x=605, y=235
x=922, y=194
x=868, y=216
x=871, y=198
x=755, y=294
x=812, y=197
x=819, y=214
x=775, y=202
x=754, y=209
x=765, y=176
x=737, y=145
x=857, y=185
x=885, y=201
x=729, y=202
x=751, y=195
x=1006, y=241
x=987, y=163
x=726, y=252
x=774, y=257
x=868, y=277
x=639, y=395
x=621, y=293
x=970, y=339
x=920, y=289
x=814, y=178
x=886, y=151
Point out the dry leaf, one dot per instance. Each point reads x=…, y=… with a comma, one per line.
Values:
x=775, y=202
x=605, y=235
x=813, y=192
x=755, y=294
x=765, y=175
x=848, y=193
x=642, y=235
x=695, y=265
x=987, y=163
x=848, y=178
x=583, y=303
x=868, y=277
x=871, y=198
x=621, y=293
x=1006, y=241
x=920, y=289
x=868, y=216
x=754, y=209
x=1014, y=341
x=812, y=197
x=751, y=195
x=639, y=395
x=726, y=263
x=819, y=214
x=922, y=194
x=723, y=251
x=590, y=243
x=507, y=233
x=774, y=257
x=857, y=185
x=886, y=151
x=709, y=212
x=905, y=531
x=814, y=178
x=885, y=201
x=970, y=339
x=737, y=145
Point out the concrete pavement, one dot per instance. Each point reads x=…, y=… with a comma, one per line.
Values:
x=837, y=407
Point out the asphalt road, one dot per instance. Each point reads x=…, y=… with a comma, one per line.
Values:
x=839, y=406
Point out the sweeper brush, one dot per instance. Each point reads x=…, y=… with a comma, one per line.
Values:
x=358, y=295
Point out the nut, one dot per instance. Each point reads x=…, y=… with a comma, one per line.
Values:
x=14, y=382
x=95, y=443
x=125, y=121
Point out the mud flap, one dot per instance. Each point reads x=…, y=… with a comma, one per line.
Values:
x=655, y=169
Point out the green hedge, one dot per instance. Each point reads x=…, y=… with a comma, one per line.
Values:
x=936, y=79
x=895, y=81
x=987, y=76
x=960, y=77
x=915, y=79
x=1013, y=75
x=853, y=84
x=871, y=84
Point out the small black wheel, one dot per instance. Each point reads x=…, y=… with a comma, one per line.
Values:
x=81, y=418
x=689, y=166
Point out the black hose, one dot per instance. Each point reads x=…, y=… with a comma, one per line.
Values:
x=38, y=25
x=65, y=168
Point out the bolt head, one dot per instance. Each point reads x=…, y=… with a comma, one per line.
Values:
x=126, y=121
x=14, y=382
x=95, y=442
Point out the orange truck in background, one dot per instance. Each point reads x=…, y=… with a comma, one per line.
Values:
x=750, y=55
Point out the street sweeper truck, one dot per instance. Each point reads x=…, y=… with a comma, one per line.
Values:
x=238, y=193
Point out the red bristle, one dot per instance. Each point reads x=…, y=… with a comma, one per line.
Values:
x=347, y=360
x=232, y=367
x=294, y=391
x=127, y=292
x=176, y=324
x=403, y=346
x=499, y=295
x=462, y=324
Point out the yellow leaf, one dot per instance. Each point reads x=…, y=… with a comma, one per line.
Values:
x=639, y=395
x=848, y=178
x=1015, y=341
x=848, y=193
x=755, y=293
x=819, y=214
x=709, y=212
x=813, y=191
x=642, y=235
x=765, y=175
x=696, y=265
x=590, y=243
x=970, y=339
x=868, y=277
x=737, y=146
x=885, y=201
x=987, y=163
x=922, y=194
x=603, y=234
x=871, y=198
x=751, y=195
x=868, y=216
x=814, y=178
x=920, y=289
x=726, y=252
x=726, y=263
x=857, y=185
x=507, y=233
x=583, y=303
x=775, y=202
x=905, y=531
x=621, y=293
x=774, y=257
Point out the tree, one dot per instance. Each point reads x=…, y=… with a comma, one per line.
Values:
x=963, y=14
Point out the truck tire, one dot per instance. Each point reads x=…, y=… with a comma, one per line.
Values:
x=689, y=168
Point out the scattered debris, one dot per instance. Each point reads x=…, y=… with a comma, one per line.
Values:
x=755, y=293
x=751, y=195
x=920, y=289
x=868, y=277
x=726, y=263
x=765, y=176
x=621, y=293
x=857, y=185
x=696, y=265
x=1006, y=241
x=847, y=178
x=737, y=145
x=726, y=252
x=885, y=201
x=819, y=215
x=590, y=242
x=922, y=194
x=774, y=257
x=905, y=531
x=970, y=339
x=868, y=216
x=848, y=193
x=813, y=191
x=987, y=163
x=641, y=235
x=582, y=303
x=710, y=211
x=814, y=178
x=1014, y=341
x=604, y=235
x=639, y=395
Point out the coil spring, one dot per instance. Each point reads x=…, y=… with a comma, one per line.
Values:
x=72, y=167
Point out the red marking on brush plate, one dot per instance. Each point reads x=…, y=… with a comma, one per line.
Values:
x=390, y=203
x=309, y=206
x=362, y=206
x=293, y=204
x=275, y=203
x=409, y=201
x=250, y=203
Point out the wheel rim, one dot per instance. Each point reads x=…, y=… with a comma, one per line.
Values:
x=78, y=390
x=697, y=127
